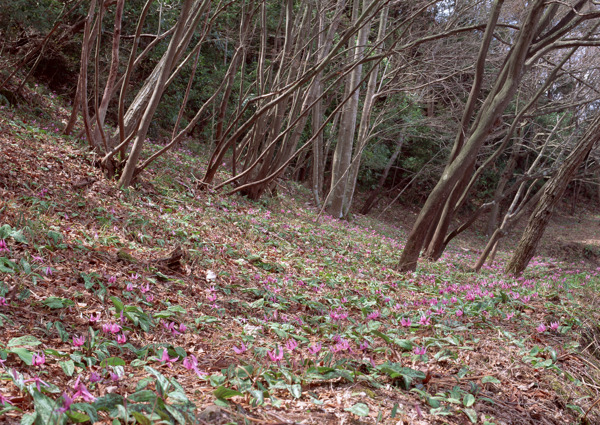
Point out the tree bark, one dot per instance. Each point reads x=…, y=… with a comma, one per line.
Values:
x=342, y=156
x=168, y=58
x=551, y=196
x=493, y=107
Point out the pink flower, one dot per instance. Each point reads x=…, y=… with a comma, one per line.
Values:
x=405, y=322
x=67, y=401
x=510, y=316
x=541, y=328
x=78, y=341
x=4, y=400
x=240, y=350
x=276, y=355
x=3, y=246
x=314, y=349
x=374, y=315
x=182, y=328
x=81, y=390
x=129, y=287
x=3, y=302
x=145, y=289
x=94, y=319
x=149, y=298
x=94, y=377
x=364, y=345
x=554, y=326
x=420, y=351
x=459, y=313
x=166, y=359
x=190, y=362
x=121, y=339
x=38, y=359
x=425, y=321
x=48, y=271
x=291, y=344
x=112, y=280
x=37, y=381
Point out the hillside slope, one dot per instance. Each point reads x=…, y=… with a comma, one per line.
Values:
x=166, y=302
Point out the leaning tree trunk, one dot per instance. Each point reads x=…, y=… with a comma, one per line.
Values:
x=552, y=194
x=168, y=58
x=493, y=107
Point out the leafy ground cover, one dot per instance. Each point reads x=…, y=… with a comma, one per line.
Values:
x=166, y=304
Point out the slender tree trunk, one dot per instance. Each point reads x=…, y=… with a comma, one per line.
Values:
x=365, y=119
x=494, y=105
x=342, y=156
x=551, y=196
x=168, y=58
x=376, y=191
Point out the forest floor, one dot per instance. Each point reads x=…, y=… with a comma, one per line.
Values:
x=164, y=302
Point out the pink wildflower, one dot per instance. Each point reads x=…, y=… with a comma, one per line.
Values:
x=276, y=355
x=78, y=341
x=420, y=351
x=38, y=359
x=291, y=345
x=240, y=350
x=314, y=349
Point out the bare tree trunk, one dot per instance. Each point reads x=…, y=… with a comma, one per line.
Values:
x=169, y=58
x=376, y=191
x=551, y=196
x=342, y=156
x=492, y=108
x=365, y=120
x=112, y=75
x=138, y=106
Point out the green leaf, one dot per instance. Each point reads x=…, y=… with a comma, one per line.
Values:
x=112, y=361
x=258, y=303
x=142, y=396
x=77, y=417
x=44, y=407
x=295, y=390
x=225, y=393
x=23, y=354
x=24, y=341
x=57, y=302
x=90, y=411
x=118, y=304
x=64, y=335
x=359, y=409
x=68, y=366
x=404, y=344
x=490, y=379
x=141, y=418
x=468, y=400
x=109, y=402
x=163, y=314
x=176, y=309
x=28, y=418
x=382, y=336
x=471, y=414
